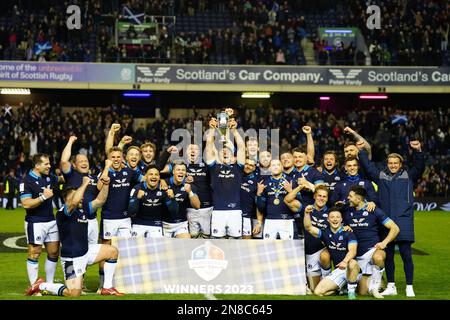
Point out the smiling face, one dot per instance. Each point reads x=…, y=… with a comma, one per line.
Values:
x=335, y=220
x=394, y=164
x=321, y=198
x=179, y=173
x=116, y=157
x=354, y=199
x=275, y=167
x=81, y=163
x=152, y=177
x=44, y=166
x=264, y=159
x=133, y=157
x=351, y=167
x=148, y=154
x=287, y=160
x=299, y=159
x=250, y=166
x=329, y=162
x=252, y=148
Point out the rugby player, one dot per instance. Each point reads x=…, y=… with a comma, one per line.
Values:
x=279, y=220
x=330, y=173
x=148, y=204
x=175, y=223
x=76, y=252
x=36, y=192
x=199, y=219
x=352, y=178
x=342, y=246
x=365, y=224
x=250, y=227
x=226, y=177
x=73, y=173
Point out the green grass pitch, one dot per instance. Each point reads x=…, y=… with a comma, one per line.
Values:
x=431, y=258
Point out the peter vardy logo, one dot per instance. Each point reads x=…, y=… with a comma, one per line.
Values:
x=208, y=261
x=340, y=78
x=146, y=74
x=446, y=206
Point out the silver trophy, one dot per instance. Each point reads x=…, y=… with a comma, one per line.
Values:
x=223, y=125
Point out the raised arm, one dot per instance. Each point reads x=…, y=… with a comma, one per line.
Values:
x=193, y=198
x=418, y=161
x=124, y=141
x=210, y=154
x=358, y=138
x=104, y=176
x=239, y=142
x=102, y=196
x=307, y=222
x=369, y=166
x=78, y=196
x=109, y=143
x=310, y=151
x=65, y=156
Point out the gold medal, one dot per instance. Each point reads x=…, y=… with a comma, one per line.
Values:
x=276, y=201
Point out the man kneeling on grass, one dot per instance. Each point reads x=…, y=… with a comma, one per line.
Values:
x=76, y=252
x=342, y=246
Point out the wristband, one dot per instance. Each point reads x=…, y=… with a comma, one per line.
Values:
x=42, y=198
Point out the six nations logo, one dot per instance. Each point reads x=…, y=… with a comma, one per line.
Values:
x=146, y=74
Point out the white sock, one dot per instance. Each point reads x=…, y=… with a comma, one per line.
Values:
x=54, y=288
x=50, y=269
x=325, y=272
x=375, y=279
x=409, y=286
x=351, y=287
x=109, y=269
x=33, y=270
x=391, y=285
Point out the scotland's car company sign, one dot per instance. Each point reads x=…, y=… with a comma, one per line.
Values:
x=128, y=73
x=342, y=76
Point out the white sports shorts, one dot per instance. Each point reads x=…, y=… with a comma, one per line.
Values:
x=171, y=230
x=139, y=230
x=313, y=264
x=226, y=223
x=41, y=232
x=116, y=228
x=76, y=267
x=199, y=221
x=365, y=261
x=284, y=228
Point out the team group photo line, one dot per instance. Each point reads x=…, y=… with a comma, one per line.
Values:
x=350, y=213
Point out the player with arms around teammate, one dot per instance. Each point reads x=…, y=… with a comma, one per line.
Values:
x=226, y=178
x=365, y=225
x=175, y=223
x=76, y=252
x=342, y=246
x=36, y=191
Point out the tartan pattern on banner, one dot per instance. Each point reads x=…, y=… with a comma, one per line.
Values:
x=152, y=265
